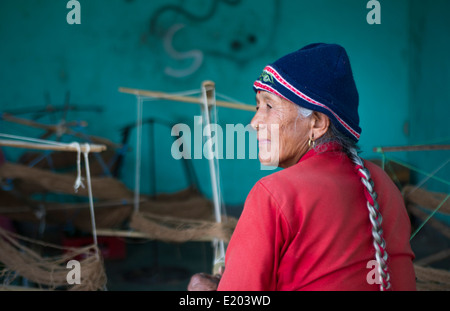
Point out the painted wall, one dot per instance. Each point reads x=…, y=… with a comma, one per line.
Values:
x=173, y=46
x=430, y=92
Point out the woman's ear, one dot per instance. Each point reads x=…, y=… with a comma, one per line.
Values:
x=320, y=124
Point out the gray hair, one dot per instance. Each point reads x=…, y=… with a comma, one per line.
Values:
x=351, y=149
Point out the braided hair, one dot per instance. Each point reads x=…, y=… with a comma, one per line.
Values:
x=350, y=148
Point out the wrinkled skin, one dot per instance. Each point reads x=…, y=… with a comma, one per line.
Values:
x=286, y=146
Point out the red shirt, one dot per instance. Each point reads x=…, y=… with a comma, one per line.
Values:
x=307, y=227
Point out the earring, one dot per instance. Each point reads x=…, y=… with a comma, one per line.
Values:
x=311, y=142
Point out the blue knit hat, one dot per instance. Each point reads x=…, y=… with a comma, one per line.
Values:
x=317, y=77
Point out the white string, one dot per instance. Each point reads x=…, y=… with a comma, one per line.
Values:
x=139, y=109
x=91, y=201
x=137, y=175
x=219, y=245
x=211, y=160
x=428, y=177
x=184, y=93
x=78, y=181
x=36, y=140
x=230, y=99
x=216, y=159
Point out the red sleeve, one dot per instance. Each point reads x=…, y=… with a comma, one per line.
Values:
x=256, y=246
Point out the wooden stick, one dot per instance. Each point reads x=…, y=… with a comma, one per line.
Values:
x=138, y=235
x=433, y=258
x=15, y=288
x=436, y=224
x=53, y=128
x=19, y=144
x=186, y=99
x=412, y=148
x=58, y=207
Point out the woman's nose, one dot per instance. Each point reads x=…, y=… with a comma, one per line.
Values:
x=256, y=121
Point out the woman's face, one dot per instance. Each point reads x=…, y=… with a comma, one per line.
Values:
x=282, y=134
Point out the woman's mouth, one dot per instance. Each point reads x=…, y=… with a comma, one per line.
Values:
x=263, y=141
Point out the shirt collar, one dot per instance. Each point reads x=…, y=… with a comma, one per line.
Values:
x=327, y=147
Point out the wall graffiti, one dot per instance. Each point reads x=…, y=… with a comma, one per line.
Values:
x=188, y=38
x=196, y=55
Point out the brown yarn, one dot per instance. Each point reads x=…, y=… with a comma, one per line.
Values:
x=108, y=214
x=186, y=203
x=436, y=224
x=172, y=229
x=35, y=180
x=427, y=199
x=105, y=217
x=63, y=160
x=194, y=206
x=428, y=278
x=432, y=279
x=49, y=273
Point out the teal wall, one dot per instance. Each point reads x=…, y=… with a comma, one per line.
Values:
x=121, y=43
x=430, y=90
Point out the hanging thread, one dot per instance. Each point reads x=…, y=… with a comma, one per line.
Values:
x=78, y=180
x=91, y=200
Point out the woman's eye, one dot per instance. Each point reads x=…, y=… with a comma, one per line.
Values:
x=269, y=106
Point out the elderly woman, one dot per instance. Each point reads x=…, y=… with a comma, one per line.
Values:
x=329, y=220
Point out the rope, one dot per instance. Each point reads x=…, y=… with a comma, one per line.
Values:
x=219, y=245
x=212, y=167
x=91, y=202
x=429, y=217
x=230, y=99
x=78, y=181
x=411, y=167
x=44, y=270
x=139, y=113
x=137, y=175
x=35, y=140
x=428, y=176
x=51, y=272
x=184, y=93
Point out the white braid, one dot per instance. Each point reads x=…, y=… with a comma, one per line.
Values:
x=376, y=219
x=349, y=147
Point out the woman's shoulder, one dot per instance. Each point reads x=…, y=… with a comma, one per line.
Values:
x=284, y=183
x=376, y=171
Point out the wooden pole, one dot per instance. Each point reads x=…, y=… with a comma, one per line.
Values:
x=140, y=235
x=55, y=128
x=65, y=147
x=185, y=99
x=411, y=148
x=208, y=87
